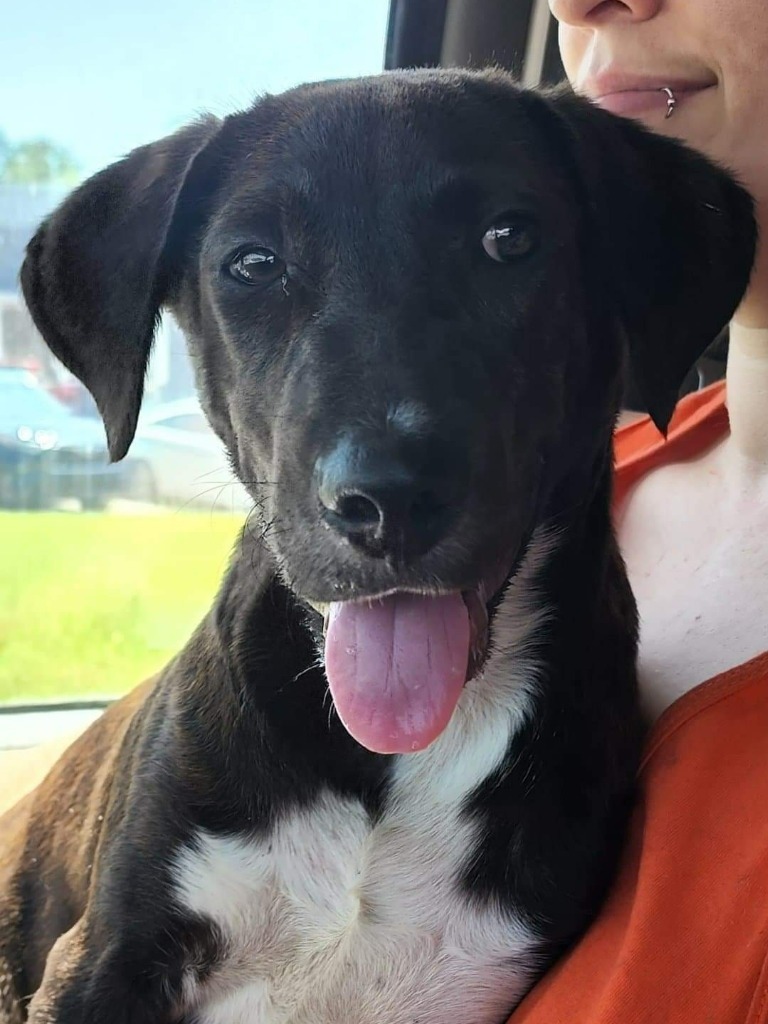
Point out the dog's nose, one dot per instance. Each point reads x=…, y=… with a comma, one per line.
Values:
x=387, y=503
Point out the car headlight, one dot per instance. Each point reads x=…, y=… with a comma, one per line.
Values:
x=46, y=439
x=42, y=439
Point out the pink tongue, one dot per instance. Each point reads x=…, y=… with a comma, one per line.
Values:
x=397, y=667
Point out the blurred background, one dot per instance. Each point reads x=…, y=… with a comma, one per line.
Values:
x=106, y=569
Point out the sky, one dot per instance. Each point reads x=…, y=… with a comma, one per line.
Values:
x=100, y=77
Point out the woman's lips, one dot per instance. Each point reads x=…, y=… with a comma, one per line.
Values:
x=628, y=94
x=643, y=101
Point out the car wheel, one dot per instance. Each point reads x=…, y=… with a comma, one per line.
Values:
x=9, y=491
x=142, y=485
x=94, y=503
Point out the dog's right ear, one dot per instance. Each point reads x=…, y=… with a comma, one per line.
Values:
x=671, y=239
x=99, y=269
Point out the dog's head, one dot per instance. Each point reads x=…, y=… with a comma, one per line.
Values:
x=409, y=300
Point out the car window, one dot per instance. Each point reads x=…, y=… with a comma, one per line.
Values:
x=22, y=402
x=192, y=423
x=16, y=375
x=105, y=569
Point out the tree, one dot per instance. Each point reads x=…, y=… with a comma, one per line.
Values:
x=36, y=162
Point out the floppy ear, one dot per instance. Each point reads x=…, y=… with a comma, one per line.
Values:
x=673, y=240
x=99, y=268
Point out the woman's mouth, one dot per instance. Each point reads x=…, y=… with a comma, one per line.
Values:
x=634, y=102
x=631, y=96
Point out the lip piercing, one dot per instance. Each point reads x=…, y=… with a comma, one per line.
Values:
x=671, y=101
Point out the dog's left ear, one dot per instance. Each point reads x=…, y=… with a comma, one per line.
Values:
x=99, y=269
x=672, y=239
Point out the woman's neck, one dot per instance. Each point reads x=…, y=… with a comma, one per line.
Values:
x=747, y=380
x=745, y=454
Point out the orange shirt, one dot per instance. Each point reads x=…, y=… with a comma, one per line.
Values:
x=683, y=935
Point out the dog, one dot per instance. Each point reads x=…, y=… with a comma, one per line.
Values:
x=410, y=300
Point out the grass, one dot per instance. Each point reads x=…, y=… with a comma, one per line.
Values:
x=91, y=604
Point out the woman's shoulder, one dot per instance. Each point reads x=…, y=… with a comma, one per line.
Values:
x=700, y=419
x=683, y=934
x=697, y=560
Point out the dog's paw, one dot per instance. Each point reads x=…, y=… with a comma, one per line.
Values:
x=86, y=1004
x=82, y=985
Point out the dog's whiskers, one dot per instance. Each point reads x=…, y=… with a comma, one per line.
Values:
x=310, y=668
x=331, y=707
x=219, y=487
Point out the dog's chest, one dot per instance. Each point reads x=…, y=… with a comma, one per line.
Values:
x=350, y=926
x=333, y=919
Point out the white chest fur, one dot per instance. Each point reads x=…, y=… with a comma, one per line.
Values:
x=334, y=920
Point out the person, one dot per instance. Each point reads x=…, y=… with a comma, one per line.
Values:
x=682, y=937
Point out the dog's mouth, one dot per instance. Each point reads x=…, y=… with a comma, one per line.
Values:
x=397, y=663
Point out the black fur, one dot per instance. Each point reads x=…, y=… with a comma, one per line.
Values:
x=377, y=194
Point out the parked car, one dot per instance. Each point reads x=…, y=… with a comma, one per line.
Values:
x=47, y=452
x=177, y=459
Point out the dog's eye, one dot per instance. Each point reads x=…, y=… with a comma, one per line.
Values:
x=510, y=239
x=256, y=266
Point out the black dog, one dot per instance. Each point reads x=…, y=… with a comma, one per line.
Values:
x=409, y=300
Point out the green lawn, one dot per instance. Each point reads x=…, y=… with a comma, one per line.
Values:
x=91, y=603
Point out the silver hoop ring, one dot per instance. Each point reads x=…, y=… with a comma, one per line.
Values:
x=671, y=101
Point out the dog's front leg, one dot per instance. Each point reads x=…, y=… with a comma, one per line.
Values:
x=120, y=984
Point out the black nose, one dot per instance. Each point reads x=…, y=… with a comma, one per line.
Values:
x=390, y=502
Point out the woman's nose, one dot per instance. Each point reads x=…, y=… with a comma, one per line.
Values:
x=590, y=13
